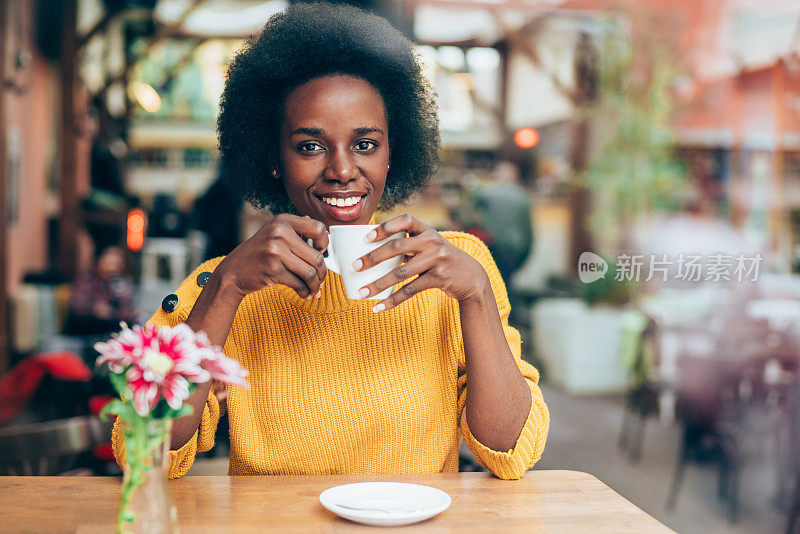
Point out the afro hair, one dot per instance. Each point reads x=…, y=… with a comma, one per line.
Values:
x=304, y=42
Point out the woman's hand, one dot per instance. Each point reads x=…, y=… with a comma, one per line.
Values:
x=439, y=264
x=279, y=254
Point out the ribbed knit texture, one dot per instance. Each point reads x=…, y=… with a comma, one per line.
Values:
x=336, y=388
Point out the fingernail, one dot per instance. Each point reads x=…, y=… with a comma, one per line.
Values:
x=379, y=307
x=363, y=292
x=357, y=265
x=372, y=235
x=319, y=294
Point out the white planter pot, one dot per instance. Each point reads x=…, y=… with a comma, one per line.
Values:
x=579, y=346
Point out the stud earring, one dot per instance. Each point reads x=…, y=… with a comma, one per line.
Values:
x=274, y=173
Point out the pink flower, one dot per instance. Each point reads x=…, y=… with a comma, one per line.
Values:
x=219, y=366
x=162, y=362
x=225, y=369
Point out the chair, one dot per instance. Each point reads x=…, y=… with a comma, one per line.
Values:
x=721, y=406
x=49, y=448
x=793, y=412
x=642, y=400
x=707, y=409
x=773, y=380
x=170, y=250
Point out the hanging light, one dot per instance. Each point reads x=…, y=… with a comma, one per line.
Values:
x=135, y=226
x=526, y=137
x=147, y=97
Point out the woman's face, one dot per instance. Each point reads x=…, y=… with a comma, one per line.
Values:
x=335, y=149
x=111, y=263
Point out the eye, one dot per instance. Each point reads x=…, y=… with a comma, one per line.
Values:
x=310, y=147
x=366, y=145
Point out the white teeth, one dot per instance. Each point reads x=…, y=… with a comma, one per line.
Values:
x=342, y=202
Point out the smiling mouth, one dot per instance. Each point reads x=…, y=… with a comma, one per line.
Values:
x=342, y=202
x=343, y=208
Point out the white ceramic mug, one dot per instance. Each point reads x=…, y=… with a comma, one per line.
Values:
x=347, y=243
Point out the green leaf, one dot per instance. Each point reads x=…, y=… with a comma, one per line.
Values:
x=119, y=382
x=120, y=408
x=161, y=410
x=186, y=409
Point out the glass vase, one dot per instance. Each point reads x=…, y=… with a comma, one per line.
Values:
x=146, y=503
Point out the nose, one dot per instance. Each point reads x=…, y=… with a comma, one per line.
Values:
x=341, y=167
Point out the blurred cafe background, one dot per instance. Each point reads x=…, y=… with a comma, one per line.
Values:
x=634, y=167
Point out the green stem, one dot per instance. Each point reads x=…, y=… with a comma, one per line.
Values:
x=139, y=446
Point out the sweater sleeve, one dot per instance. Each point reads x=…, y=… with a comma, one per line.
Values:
x=182, y=459
x=513, y=463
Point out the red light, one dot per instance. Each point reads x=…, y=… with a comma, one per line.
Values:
x=135, y=234
x=526, y=138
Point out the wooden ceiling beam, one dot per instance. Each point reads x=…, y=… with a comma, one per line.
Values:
x=518, y=42
x=162, y=33
x=99, y=27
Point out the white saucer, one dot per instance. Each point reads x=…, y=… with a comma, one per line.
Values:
x=385, y=504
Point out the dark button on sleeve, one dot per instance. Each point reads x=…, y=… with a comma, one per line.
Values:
x=170, y=302
x=202, y=278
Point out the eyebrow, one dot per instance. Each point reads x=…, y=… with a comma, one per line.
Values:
x=308, y=131
x=316, y=132
x=366, y=130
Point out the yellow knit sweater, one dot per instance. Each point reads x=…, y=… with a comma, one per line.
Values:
x=336, y=388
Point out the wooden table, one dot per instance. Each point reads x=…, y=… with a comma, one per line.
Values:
x=542, y=501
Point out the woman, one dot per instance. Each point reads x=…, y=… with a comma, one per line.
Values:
x=325, y=117
x=102, y=298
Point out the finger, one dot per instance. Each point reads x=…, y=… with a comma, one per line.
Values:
x=311, y=229
x=406, y=292
x=308, y=254
x=405, y=246
x=220, y=390
x=401, y=223
x=288, y=278
x=304, y=271
x=399, y=274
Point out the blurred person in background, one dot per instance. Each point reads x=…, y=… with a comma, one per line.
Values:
x=107, y=151
x=165, y=219
x=217, y=214
x=101, y=298
x=502, y=211
x=106, y=205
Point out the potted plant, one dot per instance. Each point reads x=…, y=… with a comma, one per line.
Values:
x=578, y=339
